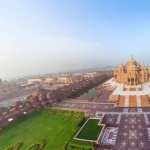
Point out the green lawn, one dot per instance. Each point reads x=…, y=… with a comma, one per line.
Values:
x=55, y=126
x=91, y=130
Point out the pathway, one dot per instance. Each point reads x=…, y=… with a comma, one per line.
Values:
x=126, y=103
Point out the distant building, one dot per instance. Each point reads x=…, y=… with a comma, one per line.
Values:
x=90, y=75
x=132, y=73
x=50, y=80
x=65, y=80
x=33, y=81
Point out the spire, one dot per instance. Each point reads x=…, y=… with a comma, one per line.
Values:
x=132, y=57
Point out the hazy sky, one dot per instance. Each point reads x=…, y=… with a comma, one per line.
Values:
x=41, y=36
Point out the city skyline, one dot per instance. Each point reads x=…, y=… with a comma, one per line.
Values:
x=40, y=37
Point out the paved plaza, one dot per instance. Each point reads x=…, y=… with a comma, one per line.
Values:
x=133, y=132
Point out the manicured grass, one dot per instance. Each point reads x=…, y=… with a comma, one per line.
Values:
x=57, y=127
x=91, y=130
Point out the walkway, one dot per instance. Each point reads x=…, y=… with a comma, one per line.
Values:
x=146, y=119
x=138, y=100
x=126, y=103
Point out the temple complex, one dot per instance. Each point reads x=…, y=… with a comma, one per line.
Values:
x=131, y=85
x=132, y=73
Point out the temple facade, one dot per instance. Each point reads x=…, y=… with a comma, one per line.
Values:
x=132, y=73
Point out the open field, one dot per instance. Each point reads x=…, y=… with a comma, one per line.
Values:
x=57, y=127
x=90, y=131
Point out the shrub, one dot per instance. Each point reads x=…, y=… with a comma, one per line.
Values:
x=39, y=146
x=18, y=146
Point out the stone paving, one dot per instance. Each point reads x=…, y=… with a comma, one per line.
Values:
x=134, y=132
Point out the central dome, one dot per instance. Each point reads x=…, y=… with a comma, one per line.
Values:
x=132, y=61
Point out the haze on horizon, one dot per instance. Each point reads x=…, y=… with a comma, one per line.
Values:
x=56, y=35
